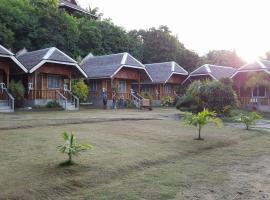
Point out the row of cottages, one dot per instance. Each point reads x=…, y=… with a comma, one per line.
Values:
x=47, y=74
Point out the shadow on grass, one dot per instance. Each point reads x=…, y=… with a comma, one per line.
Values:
x=66, y=163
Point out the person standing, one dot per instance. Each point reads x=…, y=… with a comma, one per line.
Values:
x=104, y=98
x=114, y=100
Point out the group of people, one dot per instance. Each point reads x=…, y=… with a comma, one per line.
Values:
x=117, y=102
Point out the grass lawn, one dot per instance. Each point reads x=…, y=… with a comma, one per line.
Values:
x=136, y=155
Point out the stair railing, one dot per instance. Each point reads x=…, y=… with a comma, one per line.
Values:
x=135, y=99
x=10, y=98
x=74, y=99
x=61, y=99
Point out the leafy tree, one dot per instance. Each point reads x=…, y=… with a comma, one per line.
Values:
x=217, y=96
x=159, y=45
x=201, y=119
x=249, y=118
x=17, y=90
x=223, y=58
x=80, y=89
x=95, y=11
x=256, y=80
x=71, y=147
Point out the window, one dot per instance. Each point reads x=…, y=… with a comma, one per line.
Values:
x=53, y=82
x=146, y=88
x=168, y=88
x=122, y=86
x=94, y=85
x=259, y=92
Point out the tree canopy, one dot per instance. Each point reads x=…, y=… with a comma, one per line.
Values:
x=223, y=58
x=159, y=45
x=36, y=24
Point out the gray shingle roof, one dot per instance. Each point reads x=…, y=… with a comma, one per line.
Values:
x=161, y=72
x=74, y=6
x=251, y=66
x=215, y=71
x=107, y=65
x=31, y=59
x=258, y=65
x=4, y=51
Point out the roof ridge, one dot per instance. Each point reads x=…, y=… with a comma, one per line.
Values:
x=6, y=49
x=49, y=53
x=124, y=58
x=220, y=66
x=159, y=63
x=29, y=52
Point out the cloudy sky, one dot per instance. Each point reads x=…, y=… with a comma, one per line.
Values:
x=202, y=25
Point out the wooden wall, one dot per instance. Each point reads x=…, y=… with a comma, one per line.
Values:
x=5, y=70
x=177, y=79
x=128, y=74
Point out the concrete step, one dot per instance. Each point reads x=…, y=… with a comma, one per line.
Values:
x=3, y=103
x=5, y=109
x=71, y=108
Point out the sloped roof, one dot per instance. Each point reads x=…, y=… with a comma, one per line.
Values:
x=6, y=53
x=215, y=71
x=106, y=66
x=161, y=72
x=34, y=59
x=75, y=6
x=258, y=65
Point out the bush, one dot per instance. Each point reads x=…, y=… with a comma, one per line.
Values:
x=188, y=103
x=80, y=89
x=167, y=101
x=52, y=104
x=248, y=118
x=215, y=95
x=147, y=95
x=18, y=91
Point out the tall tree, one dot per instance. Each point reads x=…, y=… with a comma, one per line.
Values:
x=223, y=58
x=159, y=45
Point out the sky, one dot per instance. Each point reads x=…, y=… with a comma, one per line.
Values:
x=202, y=25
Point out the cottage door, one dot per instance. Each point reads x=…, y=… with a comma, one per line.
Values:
x=1, y=76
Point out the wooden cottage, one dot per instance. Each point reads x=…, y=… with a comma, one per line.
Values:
x=8, y=65
x=50, y=72
x=117, y=73
x=252, y=84
x=166, y=77
x=210, y=72
x=73, y=7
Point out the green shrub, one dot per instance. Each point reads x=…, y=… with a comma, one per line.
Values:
x=80, y=89
x=18, y=91
x=201, y=119
x=147, y=95
x=215, y=95
x=187, y=103
x=248, y=118
x=71, y=147
x=52, y=104
x=167, y=101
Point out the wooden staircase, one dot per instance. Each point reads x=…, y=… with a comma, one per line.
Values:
x=139, y=102
x=6, y=100
x=68, y=101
